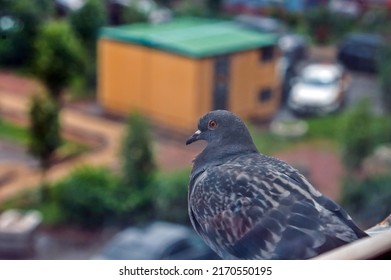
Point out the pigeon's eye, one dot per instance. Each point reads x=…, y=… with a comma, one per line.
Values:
x=212, y=124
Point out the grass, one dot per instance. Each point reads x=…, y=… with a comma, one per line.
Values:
x=70, y=149
x=322, y=131
x=30, y=200
x=269, y=143
x=328, y=127
x=20, y=136
x=13, y=133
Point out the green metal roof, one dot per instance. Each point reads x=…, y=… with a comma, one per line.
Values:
x=192, y=37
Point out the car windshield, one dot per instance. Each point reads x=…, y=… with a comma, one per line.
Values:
x=313, y=81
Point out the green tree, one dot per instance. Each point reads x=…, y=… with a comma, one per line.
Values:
x=86, y=23
x=375, y=20
x=44, y=133
x=214, y=7
x=138, y=167
x=191, y=8
x=59, y=57
x=133, y=13
x=385, y=77
x=19, y=24
x=325, y=26
x=362, y=131
x=319, y=22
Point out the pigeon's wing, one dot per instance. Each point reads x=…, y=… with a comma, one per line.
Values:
x=324, y=201
x=249, y=212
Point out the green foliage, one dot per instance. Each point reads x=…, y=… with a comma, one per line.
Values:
x=293, y=20
x=86, y=23
x=326, y=127
x=342, y=25
x=86, y=198
x=131, y=14
x=44, y=129
x=138, y=167
x=171, y=196
x=44, y=134
x=376, y=20
x=268, y=143
x=214, y=7
x=91, y=197
x=21, y=20
x=325, y=26
x=368, y=201
x=13, y=133
x=361, y=132
x=385, y=77
x=24, y=200
x=319, y=21
x=20, y=135
x=59, y=57
x=191, y=8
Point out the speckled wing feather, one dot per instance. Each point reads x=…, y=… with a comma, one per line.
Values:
x=257, y=207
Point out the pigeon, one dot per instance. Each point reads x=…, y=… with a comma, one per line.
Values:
x=246, y=205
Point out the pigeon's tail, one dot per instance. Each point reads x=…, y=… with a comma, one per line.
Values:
x=380, y=227
x=376, y=246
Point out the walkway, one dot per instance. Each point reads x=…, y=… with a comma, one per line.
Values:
x=14, y=100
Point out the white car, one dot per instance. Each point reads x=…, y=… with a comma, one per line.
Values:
x=319, y=89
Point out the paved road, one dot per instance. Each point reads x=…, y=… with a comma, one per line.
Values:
x=365, y=86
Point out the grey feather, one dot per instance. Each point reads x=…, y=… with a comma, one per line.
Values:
x=246, y=205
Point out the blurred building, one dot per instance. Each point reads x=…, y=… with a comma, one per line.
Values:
x=262, y=6
x=64, y=7
x=174, y=72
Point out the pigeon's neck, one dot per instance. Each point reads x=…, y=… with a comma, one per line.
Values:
x=214, y=155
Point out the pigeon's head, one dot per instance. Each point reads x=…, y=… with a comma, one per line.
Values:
x=220, y=128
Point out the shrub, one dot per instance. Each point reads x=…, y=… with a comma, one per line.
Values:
x=368, y=201
x=385, y=78
x=171, y=196
x=361, y=132
x=375, y=20
x=86, y=198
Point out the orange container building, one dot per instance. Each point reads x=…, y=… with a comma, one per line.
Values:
x=175, y=72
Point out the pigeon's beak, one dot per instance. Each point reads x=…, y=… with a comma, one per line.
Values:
x=194, y=137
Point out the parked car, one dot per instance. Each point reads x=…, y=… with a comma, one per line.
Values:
x=319, y=89
x=360, y=51
x=157, y=241
x=293, y=50
x=261, y=24
x=293, y=45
